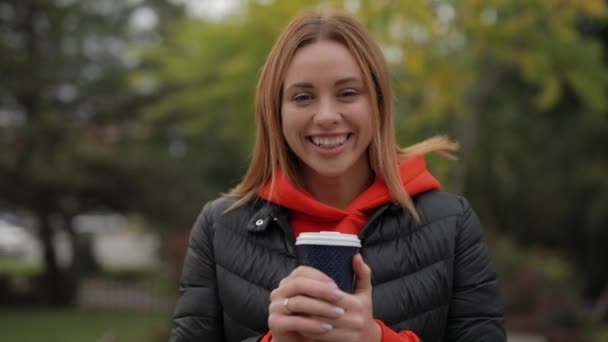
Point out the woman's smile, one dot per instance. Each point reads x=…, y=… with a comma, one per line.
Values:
x=329, y=142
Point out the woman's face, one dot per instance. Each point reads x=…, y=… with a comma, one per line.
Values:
x=326, y=112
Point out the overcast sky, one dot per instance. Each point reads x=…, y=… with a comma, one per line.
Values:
x=209, y=8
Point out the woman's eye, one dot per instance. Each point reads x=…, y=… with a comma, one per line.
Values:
x=303, y=97
x=348, y=93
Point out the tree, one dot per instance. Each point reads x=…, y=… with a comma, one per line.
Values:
x=65, y=111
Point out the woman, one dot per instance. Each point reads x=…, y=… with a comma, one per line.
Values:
x=326, y=159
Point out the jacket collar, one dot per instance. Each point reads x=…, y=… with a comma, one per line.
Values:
x=266, y=213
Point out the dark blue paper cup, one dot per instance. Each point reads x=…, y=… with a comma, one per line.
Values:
x=332, y=253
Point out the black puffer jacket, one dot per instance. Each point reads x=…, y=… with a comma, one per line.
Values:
x=435, y=277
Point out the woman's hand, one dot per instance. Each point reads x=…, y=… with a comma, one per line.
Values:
x=304, y=304
x=357, y=324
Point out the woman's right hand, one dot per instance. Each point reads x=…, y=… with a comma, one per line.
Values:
x=305, y=302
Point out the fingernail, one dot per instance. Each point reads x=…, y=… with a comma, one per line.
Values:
x=332, y=284
x=339, y=310
x=327, y=327
x=339, y=293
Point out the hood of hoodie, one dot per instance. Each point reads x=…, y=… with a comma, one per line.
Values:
x=307, y=214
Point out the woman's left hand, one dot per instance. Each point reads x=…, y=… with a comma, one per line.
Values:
x=357, y=324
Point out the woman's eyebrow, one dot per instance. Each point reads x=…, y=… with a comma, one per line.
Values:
x=346, y=80
x=309, y=85
x=305, y=85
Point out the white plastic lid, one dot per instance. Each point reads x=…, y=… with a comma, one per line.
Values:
x=328, y=239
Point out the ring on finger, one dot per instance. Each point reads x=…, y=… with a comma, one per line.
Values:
x=285, y=303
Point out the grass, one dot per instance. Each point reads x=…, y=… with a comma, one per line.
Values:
x=601, y=333
x=18, y=268
x=76, y=325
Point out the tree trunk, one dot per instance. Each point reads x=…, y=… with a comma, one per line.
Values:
x=600, y=307
x=60, y=282
x=467, y=136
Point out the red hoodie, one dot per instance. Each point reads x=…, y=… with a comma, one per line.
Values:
x=309, y=215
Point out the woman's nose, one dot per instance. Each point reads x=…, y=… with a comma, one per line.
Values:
x=327, y=113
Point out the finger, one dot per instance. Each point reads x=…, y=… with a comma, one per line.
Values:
x=301, y=284
x=363, y=275
x=306, y=272
x=310, y=272
x=345, y=328
x=300, y=324
x=306, y=306
x=308, y=287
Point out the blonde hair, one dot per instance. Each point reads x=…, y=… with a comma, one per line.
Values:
x=271, y=153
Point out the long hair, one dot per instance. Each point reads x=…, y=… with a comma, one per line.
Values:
x=271, y=152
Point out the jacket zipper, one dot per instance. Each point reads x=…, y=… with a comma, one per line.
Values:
x=289, y=240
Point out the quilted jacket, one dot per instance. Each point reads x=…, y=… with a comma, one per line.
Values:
x=434, y=277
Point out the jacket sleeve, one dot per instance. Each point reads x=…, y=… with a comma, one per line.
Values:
x=476, y=309
x=198, y=315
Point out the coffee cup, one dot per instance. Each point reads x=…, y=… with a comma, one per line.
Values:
x=332, y=253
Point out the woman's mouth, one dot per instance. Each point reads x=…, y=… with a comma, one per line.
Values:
x=329, y=142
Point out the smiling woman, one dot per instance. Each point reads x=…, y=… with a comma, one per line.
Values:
x=326, y=121
x=326, y=159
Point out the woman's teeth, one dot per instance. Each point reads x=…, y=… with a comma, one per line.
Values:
x=329, y=142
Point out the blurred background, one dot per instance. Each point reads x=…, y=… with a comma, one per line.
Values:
x=120, y=118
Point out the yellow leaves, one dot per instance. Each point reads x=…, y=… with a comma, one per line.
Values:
x=550, y=92
x=590, y=89
x=563, y=31
x=519, y=24
x=594, y=8
x=539, y=39
x=211, y=68
x=415, y=61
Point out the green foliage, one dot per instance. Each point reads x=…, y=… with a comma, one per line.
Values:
x=542, y=293
x=536, y=176
x=66, y=113
x=64, y=70
x=441, y=49
x=206, y=71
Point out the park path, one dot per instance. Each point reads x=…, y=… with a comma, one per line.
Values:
x=103, y=294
